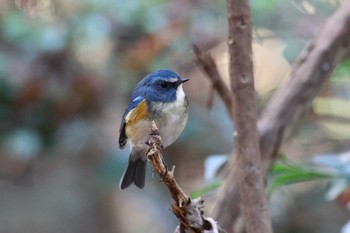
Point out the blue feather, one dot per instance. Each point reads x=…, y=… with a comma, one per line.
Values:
x=149, y=87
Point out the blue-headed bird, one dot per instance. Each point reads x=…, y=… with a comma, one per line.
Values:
x=157, y=97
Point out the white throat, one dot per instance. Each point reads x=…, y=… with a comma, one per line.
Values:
x=180, y=94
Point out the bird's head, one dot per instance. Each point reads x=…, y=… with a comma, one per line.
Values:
x=161, y=86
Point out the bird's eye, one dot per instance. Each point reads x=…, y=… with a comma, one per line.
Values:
x=164, y=85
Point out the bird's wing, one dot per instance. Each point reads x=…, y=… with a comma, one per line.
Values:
x=136, y=110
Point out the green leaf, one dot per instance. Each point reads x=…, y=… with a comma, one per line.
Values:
x=210, y=187
x=281, y=168
x=342, y=70
x=287, y=173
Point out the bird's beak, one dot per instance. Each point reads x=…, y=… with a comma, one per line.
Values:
x=182, y=80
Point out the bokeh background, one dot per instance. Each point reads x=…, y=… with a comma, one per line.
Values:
x=67, y=69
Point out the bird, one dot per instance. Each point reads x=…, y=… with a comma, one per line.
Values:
x=158, y=97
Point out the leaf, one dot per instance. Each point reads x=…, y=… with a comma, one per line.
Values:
x=280, y=168
x=286, y=173
x=210, y=187
x=342, y=70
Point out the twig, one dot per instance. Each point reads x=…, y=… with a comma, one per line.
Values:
x=206, y=63
x=311, y=71
x=189, y=212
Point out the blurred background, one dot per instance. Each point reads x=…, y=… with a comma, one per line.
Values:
x=67, y=69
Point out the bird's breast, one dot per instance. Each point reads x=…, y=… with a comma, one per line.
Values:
x=170, y=118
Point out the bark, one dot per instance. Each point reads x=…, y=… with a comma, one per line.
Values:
x=189, y=212
x=312, y=69
x=250, y=181
x=206, y=63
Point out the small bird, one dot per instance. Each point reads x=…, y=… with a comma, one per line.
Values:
x=157, y=97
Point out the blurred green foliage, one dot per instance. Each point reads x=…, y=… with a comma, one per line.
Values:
x=284, y=172
x=335, y=169
x=342, y=71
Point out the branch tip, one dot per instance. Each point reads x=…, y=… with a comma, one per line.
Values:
x=189, y=212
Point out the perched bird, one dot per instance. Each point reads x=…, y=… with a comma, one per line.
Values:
x=158, y=96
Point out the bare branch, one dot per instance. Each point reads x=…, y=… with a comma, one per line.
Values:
x=313, y=68
x=206, y=63
x=188, y=211
x=250, y=182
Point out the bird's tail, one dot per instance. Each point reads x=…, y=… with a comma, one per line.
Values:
x=135, y=172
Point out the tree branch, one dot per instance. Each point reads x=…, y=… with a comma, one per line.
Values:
x=206, y=63
x=310, y=72
x=313, y=68
x=189, y=212
x=250, y=182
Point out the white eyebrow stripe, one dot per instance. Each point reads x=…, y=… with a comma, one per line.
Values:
x=172, y=80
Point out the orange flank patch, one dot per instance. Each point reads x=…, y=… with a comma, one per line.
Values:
x=137, y=114
x=137, y=125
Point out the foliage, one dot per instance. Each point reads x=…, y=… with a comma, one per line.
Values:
x=334, y=168
x=284, y=172
x=342, y=70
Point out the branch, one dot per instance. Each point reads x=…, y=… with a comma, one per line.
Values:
x=206, y=63
x=310, y=72
x=250, y=182
x=189, y=212
x=313, y=69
